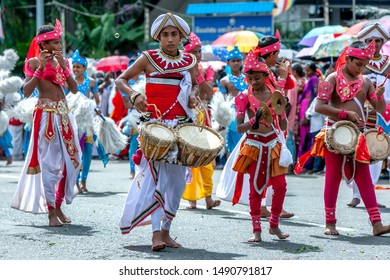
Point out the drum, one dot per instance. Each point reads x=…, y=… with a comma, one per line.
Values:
x=198, y=146
x=156, y=139
x=378, y=144
x=342, y=137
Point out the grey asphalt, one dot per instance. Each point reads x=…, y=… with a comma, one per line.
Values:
x=217, y=234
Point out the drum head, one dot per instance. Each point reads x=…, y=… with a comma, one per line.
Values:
x=161, y=132
x=203, y=138
x=343, y=137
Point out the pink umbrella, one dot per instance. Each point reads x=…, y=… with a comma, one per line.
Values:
x=305, y=53
x=113, y=63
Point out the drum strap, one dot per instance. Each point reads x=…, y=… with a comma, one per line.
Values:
x=345, y=176
x=361, y=109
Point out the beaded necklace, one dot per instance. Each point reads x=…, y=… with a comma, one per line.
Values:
x=84, y=86
x=347, y=90
x=238, y=82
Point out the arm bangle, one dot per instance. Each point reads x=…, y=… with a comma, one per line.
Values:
x=342, y=115
x=134, y=96
x=38, y=74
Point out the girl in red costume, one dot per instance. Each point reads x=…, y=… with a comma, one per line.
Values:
x=259, y=154
x=341, y=97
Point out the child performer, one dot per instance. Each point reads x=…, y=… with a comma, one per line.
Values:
x=341, y=97
x=53, y=160
x=86, y=86
x=259, y=154
x=171, y=87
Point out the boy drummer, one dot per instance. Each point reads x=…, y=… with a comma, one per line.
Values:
x=341, y=97
x=171, y=87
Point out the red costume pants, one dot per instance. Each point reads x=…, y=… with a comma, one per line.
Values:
x=333, y=176
x=279, y=186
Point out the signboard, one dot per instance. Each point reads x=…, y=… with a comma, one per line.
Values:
x=210, y=28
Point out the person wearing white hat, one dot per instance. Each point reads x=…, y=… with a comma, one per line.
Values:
x=376, y=71
x=170, y=96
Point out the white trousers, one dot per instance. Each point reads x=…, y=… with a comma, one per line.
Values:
x=154, y=193
x=34, y=192
x=17, y=141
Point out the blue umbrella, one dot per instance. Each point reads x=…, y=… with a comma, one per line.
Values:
x=214, y=53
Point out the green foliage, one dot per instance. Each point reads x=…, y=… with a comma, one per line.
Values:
x=96, y=38
x=92, y=36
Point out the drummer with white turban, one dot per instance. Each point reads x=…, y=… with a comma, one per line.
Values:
x=170, y=93
x=376, y=70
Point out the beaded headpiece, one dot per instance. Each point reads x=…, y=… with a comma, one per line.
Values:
x=234, y=53
x=366, y=53
x=253, y=63
x=271, y=48
x=52, y=35
x=76, y=57
x=193, y=43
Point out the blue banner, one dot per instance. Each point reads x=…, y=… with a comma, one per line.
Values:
x=210, y=28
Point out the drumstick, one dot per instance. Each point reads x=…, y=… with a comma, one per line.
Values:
x=387, y=76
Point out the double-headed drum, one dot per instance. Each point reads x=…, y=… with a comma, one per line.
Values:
x=378, y=144
x=342, y=137
x=156, y=140
x=198, y=146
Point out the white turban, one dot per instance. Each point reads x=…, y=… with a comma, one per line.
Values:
x=374, y=31
x=169, y=19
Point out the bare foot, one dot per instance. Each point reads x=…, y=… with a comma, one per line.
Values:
x=53, y=219
x=9, y=161
x=278, y=233
x=132, y=174
x=78, y=186
x=256, y=237
x=379, y=229
x=192, y=204
x=355, y=202
x=168, y=239
x=83, y=186
x=286, y=215
x=157, y=243
x=330, y=229
x=264, y=212
x=380, y=205
x=61, y=216
x=210, y=203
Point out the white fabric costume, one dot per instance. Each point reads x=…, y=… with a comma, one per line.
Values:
x=35, y=191
x=158, y=186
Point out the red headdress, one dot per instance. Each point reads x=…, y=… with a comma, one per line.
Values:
x=253, y=63
x=33, y=51
x=271, y=48
x=193, y=43
x=366, y=53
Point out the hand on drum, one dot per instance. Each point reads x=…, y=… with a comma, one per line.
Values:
x=353, y=117
x=140, y=103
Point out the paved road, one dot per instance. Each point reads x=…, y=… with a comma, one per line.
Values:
x=218, y=234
